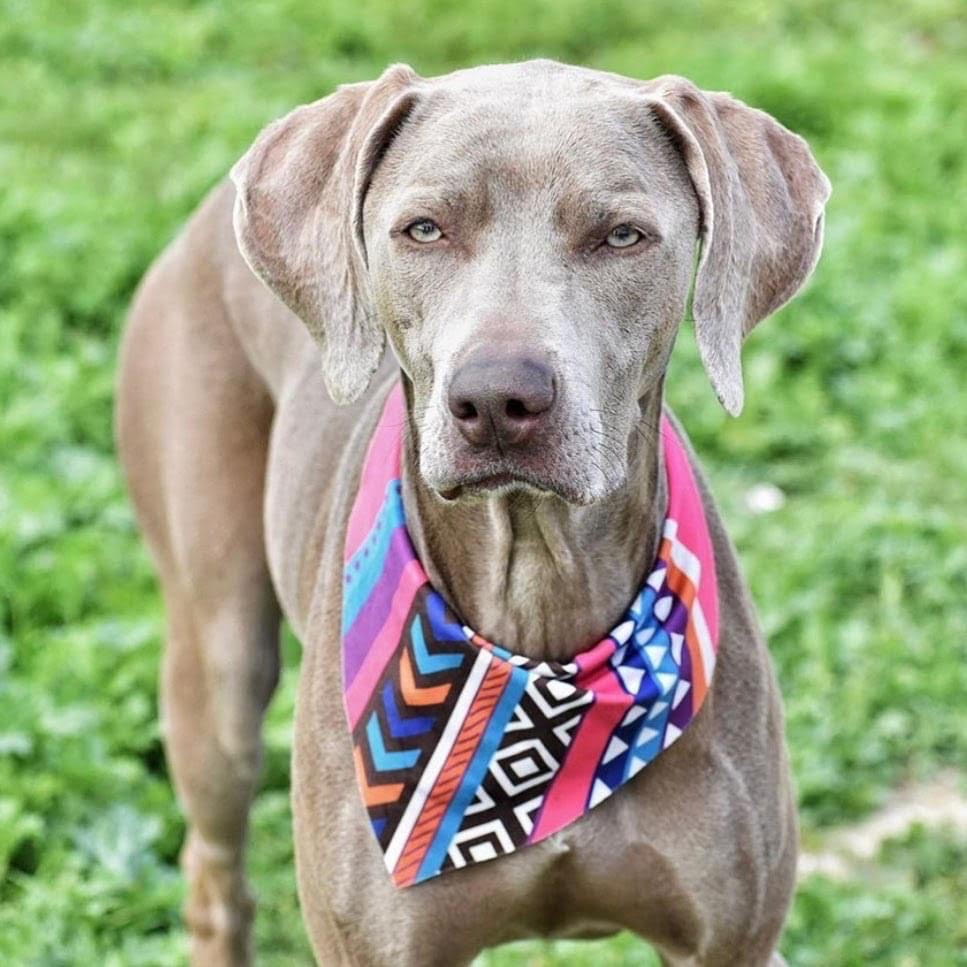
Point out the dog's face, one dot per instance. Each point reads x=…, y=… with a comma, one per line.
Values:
x=529, y=254
x=526, y=236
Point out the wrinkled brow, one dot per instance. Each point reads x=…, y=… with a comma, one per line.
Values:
x=442, y=201
x=590, y=211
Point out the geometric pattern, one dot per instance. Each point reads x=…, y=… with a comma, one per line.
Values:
x=416, y=691
x=465, y=751
x=530, y=754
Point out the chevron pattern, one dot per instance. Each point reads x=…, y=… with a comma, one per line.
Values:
x=464, y=751
x=416, y=692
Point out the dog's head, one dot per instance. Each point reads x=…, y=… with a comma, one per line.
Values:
x=526, y=236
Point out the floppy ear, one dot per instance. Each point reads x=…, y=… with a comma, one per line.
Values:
x=298, y=217
x=761, y=197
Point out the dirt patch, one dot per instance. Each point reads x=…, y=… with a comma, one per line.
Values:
x=938, y=803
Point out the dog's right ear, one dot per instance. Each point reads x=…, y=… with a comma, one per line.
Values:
x=298, y=217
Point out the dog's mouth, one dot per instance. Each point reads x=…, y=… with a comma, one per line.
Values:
x=496, y=484
x=548, y=470
x=509, y=478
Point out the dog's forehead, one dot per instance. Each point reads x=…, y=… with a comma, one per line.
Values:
x=537, y=123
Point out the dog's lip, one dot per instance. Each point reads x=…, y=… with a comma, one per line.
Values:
x=489, y=483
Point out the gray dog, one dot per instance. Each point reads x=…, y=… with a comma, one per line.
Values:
x=525, y=237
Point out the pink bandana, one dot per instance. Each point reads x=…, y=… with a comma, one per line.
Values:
x=465, y=751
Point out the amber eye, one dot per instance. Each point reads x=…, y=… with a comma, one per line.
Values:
x=424, y=230
x=623, y=236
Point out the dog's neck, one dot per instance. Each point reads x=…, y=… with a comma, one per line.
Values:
x=541, y=577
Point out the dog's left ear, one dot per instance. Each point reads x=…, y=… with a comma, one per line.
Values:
x=761, y=197
x=299, y=199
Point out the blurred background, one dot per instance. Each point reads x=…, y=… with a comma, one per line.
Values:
x=843, y=483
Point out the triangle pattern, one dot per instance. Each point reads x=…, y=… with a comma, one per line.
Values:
x=633, y=713
x=644, y=636
x=623, y=632
x=681, y=691
x=615, y=747
x=631, y=677
x=672, y=732
x=665, y=681
x=599, y=792
x=663, y=607
x=657, y=709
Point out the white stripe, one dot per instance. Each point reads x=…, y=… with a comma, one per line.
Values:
x=704, y=640
x=670, y=530
x=415, y=806
x=686, y=562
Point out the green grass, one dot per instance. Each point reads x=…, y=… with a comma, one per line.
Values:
x=114, y=120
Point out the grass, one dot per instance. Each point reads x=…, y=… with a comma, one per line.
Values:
x=115, y=119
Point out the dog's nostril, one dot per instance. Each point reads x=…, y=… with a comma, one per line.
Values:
x=516, y=409
x=465, y=410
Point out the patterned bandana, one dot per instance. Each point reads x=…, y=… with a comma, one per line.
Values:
x=465, y=751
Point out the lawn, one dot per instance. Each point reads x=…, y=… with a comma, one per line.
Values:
x=115, y=118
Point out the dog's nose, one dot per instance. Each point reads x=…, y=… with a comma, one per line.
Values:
x=501, y=401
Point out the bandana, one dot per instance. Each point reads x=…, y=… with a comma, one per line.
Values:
x=465, y=751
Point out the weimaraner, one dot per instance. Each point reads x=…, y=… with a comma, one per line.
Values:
x=527, y=238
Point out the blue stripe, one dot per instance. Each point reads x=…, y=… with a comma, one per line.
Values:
x=648, y=751
x=400, y=727
x=502, y=652
x=383, y=758
x=364, y=569
x=474, y=775
x=429, y=664
x=443, y=630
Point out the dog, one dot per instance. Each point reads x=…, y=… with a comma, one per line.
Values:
x=527, y=239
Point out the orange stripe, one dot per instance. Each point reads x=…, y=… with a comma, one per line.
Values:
x=472, y=720
x=448, y=781
x=374, y=795
x=699, y=681
x=413, y=694
x=679, y=582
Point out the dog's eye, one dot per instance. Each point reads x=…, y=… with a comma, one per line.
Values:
x=623, y=236
x=425, y=230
